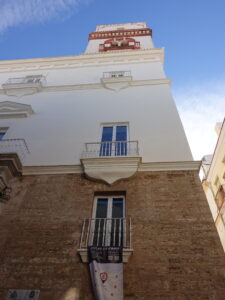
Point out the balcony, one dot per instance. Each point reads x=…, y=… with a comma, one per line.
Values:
x=12, y=154
x=116, y=80
x=17, y=146
x=110, y=161
x=23, y=85
x=102, y=232
x=113, y=149
x=116, y=74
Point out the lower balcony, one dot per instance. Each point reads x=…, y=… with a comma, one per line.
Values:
x=102, y=232
x=110, y=161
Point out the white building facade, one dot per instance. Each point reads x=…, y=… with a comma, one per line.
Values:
x=93, y=154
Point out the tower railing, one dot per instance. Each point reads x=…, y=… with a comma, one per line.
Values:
x=116, y=74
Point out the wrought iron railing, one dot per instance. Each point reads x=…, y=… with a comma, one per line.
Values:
x=115, y=232
x=115, y=148
x=22, y=80
x=18, y=146
x=116, y=74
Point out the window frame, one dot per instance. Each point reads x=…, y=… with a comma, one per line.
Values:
x=110, y=221
x=3, y=130
x=110, y=205
x=114, y=125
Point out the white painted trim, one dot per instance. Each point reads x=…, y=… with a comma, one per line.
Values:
x=92, y=86
x=39, y=170
x=170, y=166
x=143, y=167
x=9, y=109
x=35, y=64
x=110, y=169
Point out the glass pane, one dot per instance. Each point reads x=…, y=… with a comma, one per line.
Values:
x=121, y=135
x=106, y=146
x=117, y=232
x=99, y=234
x=101, y=209
x=1, y=135
x=117, y=208
x=107, y=134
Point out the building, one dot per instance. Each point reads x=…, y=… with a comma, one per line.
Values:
x=93, y=153
x=213, y=169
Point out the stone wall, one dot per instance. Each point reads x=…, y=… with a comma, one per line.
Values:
x=177, y=253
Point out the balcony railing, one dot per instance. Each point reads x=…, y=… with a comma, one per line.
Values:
x=116, y=74
x=18, y=146
x=24, y=80
x=115, y=232
x=112, y=149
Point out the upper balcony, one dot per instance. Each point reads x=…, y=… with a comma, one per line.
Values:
x=23, y=85
x=110, y=161
x=116, y=80
x=111, y=149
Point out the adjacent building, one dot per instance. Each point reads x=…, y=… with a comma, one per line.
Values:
x=213, y=169
x=93, y=154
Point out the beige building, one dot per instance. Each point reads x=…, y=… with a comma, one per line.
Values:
x=213, y=169
x=93, y=154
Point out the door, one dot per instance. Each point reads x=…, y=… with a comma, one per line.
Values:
x=114, y=141
x=108, y=221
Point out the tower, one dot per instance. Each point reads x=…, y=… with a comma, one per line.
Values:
x=94, y=156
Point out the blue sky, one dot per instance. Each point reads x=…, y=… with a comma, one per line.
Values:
x=192, y=32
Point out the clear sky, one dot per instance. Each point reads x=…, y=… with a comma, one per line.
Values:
x=192, y=32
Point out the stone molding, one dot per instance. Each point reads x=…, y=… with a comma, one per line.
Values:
x=93, y=86
x=21, y=89
x=93, y=59
x=170, y=166
x=116, y=84
x=9, y=109
x=42, y=170
x=110, y=169
x=143, y=167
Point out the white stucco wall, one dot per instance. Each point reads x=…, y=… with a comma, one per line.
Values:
x=65, y=120
x=73, y=103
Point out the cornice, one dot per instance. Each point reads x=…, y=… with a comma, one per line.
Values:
x=170, y=166
x=143, y=167
x=34, y=64
x=62, y=169
x=94, y=86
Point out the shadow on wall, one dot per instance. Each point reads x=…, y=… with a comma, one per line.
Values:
x=71, y=294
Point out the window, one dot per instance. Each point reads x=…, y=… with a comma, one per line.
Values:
x=108, y=222
x=114, y=140
x=3, y=132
